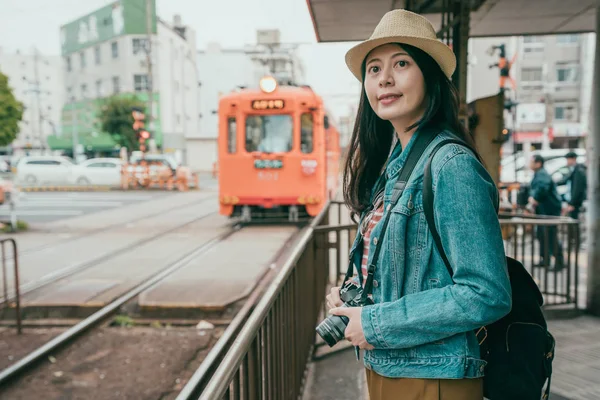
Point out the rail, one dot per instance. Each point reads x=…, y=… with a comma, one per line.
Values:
x=549, y=249
x=17, y=295
x=30, y=360
x=269, y=356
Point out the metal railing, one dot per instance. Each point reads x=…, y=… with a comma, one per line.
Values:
x=269, y=357
x=549, y=248
x=6, y=300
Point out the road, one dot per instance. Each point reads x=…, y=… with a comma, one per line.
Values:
x=39, y=207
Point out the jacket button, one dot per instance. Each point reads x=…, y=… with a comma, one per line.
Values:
x=375, y=283
x=375, y=241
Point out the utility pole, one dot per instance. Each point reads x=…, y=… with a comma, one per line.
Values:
x=150, y=83
x=75, y=133
x=37, y=96
x=593, y=267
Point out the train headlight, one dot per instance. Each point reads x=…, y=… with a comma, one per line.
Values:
x=268, y=84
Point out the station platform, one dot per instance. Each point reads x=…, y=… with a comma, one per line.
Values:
x=224, y=275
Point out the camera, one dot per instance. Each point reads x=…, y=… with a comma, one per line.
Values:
x=332, y=328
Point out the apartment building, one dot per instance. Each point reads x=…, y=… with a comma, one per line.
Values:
x=106, y=53
x=37, y=81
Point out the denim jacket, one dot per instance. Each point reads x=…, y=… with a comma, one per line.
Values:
x=422, y=322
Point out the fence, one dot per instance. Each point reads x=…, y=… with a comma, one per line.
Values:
x=549, y=249
x=16, y=297
x=268, y=359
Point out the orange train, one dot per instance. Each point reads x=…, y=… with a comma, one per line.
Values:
x=278, y=152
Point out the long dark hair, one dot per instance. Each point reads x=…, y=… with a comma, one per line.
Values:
x=372, y=137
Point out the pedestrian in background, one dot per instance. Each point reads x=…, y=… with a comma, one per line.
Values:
x=576, y=182
x=545, y=201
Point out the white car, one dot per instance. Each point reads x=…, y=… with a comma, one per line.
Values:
x=35, y=170
x=97, y=171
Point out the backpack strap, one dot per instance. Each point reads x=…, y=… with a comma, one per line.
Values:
x=428, y=197
x=422, y=141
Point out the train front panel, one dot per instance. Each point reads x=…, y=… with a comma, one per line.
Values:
x=272, y=154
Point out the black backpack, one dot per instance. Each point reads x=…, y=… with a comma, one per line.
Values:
x=518, y=348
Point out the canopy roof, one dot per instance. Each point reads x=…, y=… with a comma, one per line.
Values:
x=354, y=20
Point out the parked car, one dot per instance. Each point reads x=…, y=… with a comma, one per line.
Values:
x=97, y=171
x=36, y=170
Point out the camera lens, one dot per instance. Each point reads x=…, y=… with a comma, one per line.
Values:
x=332, y=329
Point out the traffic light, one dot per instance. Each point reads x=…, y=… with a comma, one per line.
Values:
x=139, y=125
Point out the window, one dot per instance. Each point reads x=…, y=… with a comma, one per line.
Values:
x=269, y=133
x=82, y=59
x=531, y=74
x=116, y=84
x=566, y=73
x=97, y=55
x=565, y=111
x=306, y=133
x=532, y=39
x=140, y=83
x=567, y=39
x=68, y=61
x=533, y=50
x=102, y=165
x=231, y=135
x=84, y=91
x=140, y=45
x=99, y=92
x=43, y=162
x=114, y=48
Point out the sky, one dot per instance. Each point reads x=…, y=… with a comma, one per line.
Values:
x=232, y=23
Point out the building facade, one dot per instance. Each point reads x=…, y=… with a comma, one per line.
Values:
x=37, y=82
x=552, y=76
x=106, y=53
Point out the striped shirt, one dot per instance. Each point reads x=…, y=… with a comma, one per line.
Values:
x=376, y=216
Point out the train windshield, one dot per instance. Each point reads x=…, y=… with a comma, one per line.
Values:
x=269, y=133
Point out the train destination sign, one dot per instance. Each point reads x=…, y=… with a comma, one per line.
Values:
x=267, y=104
x=264, y=164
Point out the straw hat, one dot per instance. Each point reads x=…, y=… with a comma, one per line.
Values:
x=401, y=26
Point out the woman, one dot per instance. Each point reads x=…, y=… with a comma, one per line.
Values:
x=418, y=334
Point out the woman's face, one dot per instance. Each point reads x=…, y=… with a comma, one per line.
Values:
x=394, y=85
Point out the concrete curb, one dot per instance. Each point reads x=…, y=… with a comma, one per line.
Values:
x=94, y=189
x=67, y=189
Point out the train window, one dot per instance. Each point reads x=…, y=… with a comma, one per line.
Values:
x=306, y=133
x=269, y=133
x=231, y=135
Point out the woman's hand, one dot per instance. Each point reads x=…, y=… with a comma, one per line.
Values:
x=333, y=298
x=354, y=331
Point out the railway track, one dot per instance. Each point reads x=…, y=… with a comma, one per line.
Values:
x=28, y=362
x=54, y=276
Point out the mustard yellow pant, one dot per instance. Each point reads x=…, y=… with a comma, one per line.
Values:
x=382, y=388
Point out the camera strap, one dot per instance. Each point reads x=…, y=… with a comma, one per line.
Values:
x=422, y=141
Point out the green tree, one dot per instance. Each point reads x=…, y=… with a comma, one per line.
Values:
x=117, y=120
x=11, y=112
